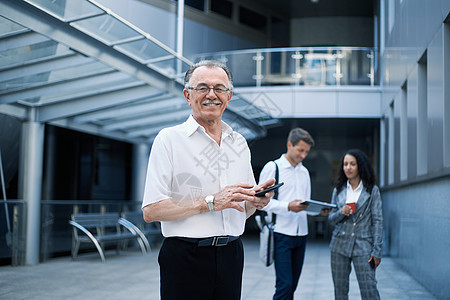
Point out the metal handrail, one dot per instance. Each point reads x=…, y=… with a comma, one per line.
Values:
x=283, y=49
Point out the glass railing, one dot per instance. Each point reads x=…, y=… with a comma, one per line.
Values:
x=306, y=66
x=12, y=236
x=55, y=232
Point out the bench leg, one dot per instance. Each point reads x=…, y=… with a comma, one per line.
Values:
x=141, y=244
x=75, y=248
x=121, y=244
x=146, y=243
x=100, y=250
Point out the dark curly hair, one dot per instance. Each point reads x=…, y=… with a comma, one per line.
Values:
x=365, y=170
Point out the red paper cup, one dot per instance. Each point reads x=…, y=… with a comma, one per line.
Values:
x=353, y=206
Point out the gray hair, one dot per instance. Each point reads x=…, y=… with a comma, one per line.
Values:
x=209, y=64
x=299, y=134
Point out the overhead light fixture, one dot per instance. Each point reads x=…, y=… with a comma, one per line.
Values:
x=314, y=1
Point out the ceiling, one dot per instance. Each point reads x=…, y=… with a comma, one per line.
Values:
x=77, y=65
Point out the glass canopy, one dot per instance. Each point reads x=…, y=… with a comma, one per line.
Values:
x=80, y=66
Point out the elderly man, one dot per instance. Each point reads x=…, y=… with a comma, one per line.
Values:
x=200, y=185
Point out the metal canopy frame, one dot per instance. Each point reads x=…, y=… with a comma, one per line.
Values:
x=78, y=65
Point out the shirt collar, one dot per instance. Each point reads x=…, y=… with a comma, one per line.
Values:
x=192, y=126
x=284, y=162
x=359, y=187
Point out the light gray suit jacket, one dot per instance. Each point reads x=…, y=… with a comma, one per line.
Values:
x=360, y=233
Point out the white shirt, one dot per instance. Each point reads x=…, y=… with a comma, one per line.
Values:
x=185, y=163
x=297, y=186
x=353, y=194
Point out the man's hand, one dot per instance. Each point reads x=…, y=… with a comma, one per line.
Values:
x=260, y=202
x=296, y=206
x=325, y=211
x=231, y=195
x=171, y=210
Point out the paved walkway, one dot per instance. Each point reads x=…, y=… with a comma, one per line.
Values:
x=132, y=275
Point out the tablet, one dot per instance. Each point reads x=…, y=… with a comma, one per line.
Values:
x=319, y=203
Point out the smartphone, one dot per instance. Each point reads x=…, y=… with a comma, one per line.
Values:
x=372, y=263
x=273, y=187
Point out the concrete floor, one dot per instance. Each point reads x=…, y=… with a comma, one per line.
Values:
x=131, y=275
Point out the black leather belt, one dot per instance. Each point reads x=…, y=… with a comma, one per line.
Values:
x=212, y=241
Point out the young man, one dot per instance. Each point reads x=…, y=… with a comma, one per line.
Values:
x=291, y=225
x=200, y=185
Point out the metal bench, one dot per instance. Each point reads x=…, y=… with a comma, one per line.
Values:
x=145, y=230
x=101, y=228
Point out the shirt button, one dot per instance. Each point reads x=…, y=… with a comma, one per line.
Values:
x=353, y=234
x=354, y=224
x=343, y=233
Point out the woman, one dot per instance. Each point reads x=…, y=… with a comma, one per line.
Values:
x=358, y=222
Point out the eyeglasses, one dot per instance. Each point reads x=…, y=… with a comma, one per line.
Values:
x=205, y=90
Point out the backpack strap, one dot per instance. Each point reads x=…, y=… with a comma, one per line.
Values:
x=274, y=216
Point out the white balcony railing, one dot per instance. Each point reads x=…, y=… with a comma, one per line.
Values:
x=309, y=66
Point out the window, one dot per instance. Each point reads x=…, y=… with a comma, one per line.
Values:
x=198, y=4
x=391, y=144
x=222, y=7
x=252, y=19
x=422, y=117
x=404, y=133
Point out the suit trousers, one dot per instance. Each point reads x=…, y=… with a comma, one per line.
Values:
x=206, y=273
x=341, y=268
x=289, y=256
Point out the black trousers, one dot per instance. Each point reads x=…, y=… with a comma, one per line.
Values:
x=204, y=273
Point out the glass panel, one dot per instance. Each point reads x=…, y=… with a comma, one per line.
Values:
x=8, y=27
x=356, y=67
x=80, y=90
x=246, y=64
x=318, y=68
x=182, y=71
x=143, y=50
x=282, y=68
x=106, y=28
x=30, y=53
x=67, y=9
x=170, y=67
x=38, y=79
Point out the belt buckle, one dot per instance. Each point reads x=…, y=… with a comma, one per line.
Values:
x=220, y=241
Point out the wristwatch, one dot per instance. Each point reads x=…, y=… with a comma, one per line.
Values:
x=210, y=201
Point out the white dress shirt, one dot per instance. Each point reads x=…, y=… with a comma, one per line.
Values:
x=185, y=163
x=297, y=186
x=353, y=194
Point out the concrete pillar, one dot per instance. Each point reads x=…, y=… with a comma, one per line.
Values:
x=31, y=185
x=139, y=171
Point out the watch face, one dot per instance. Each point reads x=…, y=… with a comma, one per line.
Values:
x=210, y=199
